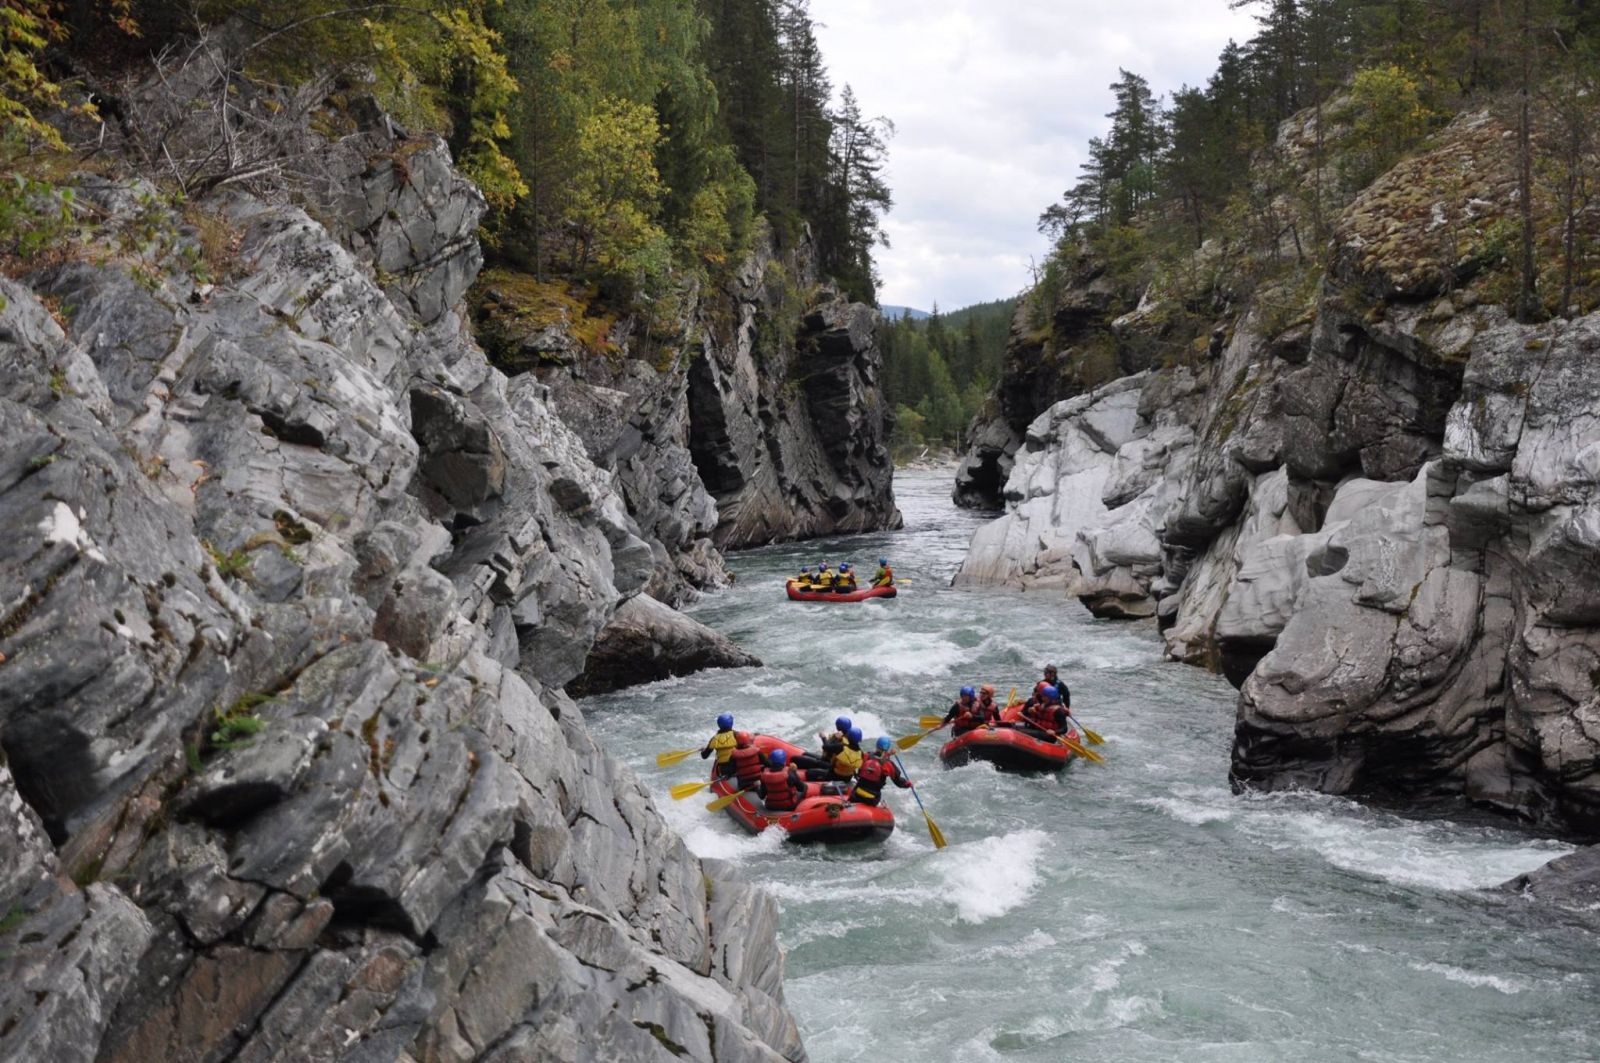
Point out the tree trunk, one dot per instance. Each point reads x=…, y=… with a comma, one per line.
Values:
x=1526, y=296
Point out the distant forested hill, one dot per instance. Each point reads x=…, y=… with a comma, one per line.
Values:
x=939, y=369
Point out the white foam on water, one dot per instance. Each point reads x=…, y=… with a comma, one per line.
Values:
x=918, y=655
x=988, y=878
x=1500, y=983
x=724, y=841
x=763, y=688
x=1406, y=853
x=1194, y=813
x=1032, y=943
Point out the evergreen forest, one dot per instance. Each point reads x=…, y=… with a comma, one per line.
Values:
x=629, y=149
x=1214, y=197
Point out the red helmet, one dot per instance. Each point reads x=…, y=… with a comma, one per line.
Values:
x=742, y=738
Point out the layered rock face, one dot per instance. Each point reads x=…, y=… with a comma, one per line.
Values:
x=1376, y=512
x=292, y=581
x=790, y=435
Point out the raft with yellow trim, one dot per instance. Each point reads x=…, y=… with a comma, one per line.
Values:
x=1008, y=748
x=823, y=818
x=860, y=594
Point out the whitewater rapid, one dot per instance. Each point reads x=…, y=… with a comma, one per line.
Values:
x=1127, y=912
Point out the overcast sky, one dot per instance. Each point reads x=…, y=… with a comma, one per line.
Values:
x=993, y=102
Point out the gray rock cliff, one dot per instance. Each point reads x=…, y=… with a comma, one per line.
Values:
x=292, y=580
x=1370, y=502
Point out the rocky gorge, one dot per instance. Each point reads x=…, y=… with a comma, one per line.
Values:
x=1364, y=493
x=296, y=580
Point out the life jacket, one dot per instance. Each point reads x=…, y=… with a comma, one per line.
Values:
x=746, y=763
x=883, y=577
x=723, y=743
x=824, y=578
x=985, y=711
x=874, y=773
x=782, y=789
x=847, y=763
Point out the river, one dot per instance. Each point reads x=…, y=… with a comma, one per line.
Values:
x=1132, y=911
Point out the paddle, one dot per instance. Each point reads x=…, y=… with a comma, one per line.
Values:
x=926, y=722
x=1082, y=750
x=910, y=740
x=667, y=760
x=727, y=799
x=688, y=789
x=1090, y=735
x=933, y=828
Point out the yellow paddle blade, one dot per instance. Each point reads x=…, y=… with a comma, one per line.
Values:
x=898, y=580
x=1091, y=736
x=1011, y=698
x=1082, y=750
x=687, y=789
x=934, y=832
x=667, y=760
x=928, y=722
x=910, y=740
x=724, y=801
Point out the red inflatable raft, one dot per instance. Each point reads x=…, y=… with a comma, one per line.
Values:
x=860, y=594
x=1008, y=748
x=820, y=818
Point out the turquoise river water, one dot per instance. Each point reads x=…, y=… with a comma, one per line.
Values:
x=1132, y=911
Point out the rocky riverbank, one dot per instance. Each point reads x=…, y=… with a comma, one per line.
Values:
x=1365, y=494
x=294, y=580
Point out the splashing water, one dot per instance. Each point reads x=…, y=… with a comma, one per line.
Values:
x=1136, y=911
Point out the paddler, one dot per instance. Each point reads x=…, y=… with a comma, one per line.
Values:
x=746, y=759
x=824, y=580
x=846, y=582
x=986, y=713
x=780, y=785
x=723, y=743
x=884, y=577
x=876, y=769
x=845, y=763
x=961, y=712
x=1048, y=715
x=831, y=745
x=804, y=579
x=1053, y=679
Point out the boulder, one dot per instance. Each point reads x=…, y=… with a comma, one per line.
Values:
x=646, y=641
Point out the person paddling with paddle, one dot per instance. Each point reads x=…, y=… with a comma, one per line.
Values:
x=780, y=785
x=845, y=763
x=985, y=713
x=876, y=769
x=884, y=577
x=831, y=745
x=1048, y=714
x=746, y=759
x=723, y=743
x=961, y=713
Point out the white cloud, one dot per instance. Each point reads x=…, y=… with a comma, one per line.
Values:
x=994, y=102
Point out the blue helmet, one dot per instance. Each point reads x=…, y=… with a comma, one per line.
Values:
x=777, y=758
x=968, y=692
x=884, y=743
x=824, y=565
x=1052, y=694
x=725, y=722
x=842, y=724
x=854, y=734
x=844, y=566
x=883, y=560
x=805, y=568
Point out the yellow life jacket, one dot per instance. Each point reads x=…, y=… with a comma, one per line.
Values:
x=824, y=578
x=723, y=743
x=847, y=763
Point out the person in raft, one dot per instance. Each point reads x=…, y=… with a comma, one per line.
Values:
x=1048, y=714
x=985, y=713
x=961, y=712
x=846, y=581
x=831, y=745
x=746, y=759
x=884, y=577
x=824, y=580
x=780, y=785
x=1054, y=680
x=845, y=763
x=876, y=769
x=723, y=743
x=804, y=579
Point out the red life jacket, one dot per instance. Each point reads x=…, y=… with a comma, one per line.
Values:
x=779, y=789
x=747, y=763
x=872, y=771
